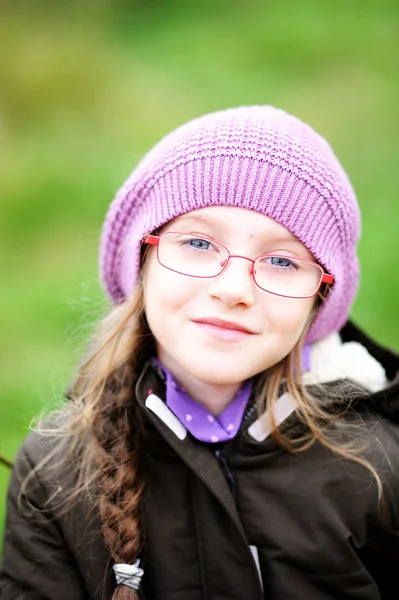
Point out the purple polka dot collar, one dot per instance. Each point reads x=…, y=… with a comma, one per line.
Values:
x=197, y=420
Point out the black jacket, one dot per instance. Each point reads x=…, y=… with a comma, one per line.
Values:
x=310, y=520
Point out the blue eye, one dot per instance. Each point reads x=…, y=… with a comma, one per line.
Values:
x=279, y=261
x=199, y=244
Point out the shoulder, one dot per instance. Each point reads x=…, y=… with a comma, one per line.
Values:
x=49, y=523
x=35, y=449
x=43, y=466
x=368, y=483
x=382, y=452
x=382, y=446
x=46, y=486
x=42, y=442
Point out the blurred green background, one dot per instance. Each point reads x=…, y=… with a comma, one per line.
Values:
x=87, y=87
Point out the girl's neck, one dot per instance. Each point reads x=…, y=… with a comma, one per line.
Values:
x=215, y=398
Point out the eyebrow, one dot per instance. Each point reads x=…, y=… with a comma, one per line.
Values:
x=283, y=237
x=197, y=218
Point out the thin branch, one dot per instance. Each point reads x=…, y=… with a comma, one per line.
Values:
x=4, y=461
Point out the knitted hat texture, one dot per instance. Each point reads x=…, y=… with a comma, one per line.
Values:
x=256, y=157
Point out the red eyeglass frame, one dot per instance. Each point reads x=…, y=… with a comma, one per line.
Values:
x=153, y=240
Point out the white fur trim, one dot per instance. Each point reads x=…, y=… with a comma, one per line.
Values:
x=164, y=413
x=330, y=360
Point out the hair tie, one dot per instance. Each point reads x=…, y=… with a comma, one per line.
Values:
x=129, y=575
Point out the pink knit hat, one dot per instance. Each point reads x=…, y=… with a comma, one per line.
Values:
x=255, y=157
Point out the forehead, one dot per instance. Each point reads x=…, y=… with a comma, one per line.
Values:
x=226, y=219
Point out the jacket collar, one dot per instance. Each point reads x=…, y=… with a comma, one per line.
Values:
x=150, y=394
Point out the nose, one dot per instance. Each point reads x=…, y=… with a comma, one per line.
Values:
x=235, y=284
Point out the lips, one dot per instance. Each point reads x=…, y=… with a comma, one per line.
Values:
x=224, y=324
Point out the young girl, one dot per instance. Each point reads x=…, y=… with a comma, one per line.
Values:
x=230, y=436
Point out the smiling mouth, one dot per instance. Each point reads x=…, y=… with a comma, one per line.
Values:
x=224, y=326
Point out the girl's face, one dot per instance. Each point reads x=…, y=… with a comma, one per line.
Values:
x=179, y=308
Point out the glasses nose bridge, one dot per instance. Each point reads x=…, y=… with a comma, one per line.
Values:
x=251, y=260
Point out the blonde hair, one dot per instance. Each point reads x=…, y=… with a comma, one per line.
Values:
x=100, y=427
x=99, y=431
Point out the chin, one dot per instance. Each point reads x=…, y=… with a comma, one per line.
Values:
x=220, y=377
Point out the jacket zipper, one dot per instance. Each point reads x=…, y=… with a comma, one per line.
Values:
x=248, y=414
x=257, y=589
x=220, y=453
x=224, y=465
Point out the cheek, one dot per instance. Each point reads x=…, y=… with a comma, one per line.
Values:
x=165, y=293
x=290, y=316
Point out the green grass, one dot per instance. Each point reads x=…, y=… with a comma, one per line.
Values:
x=87, y=89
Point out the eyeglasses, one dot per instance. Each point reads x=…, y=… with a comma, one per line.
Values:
x=202, y=257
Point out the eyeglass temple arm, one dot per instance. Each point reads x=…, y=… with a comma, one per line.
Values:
x=151, y=239
x=327, y=278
